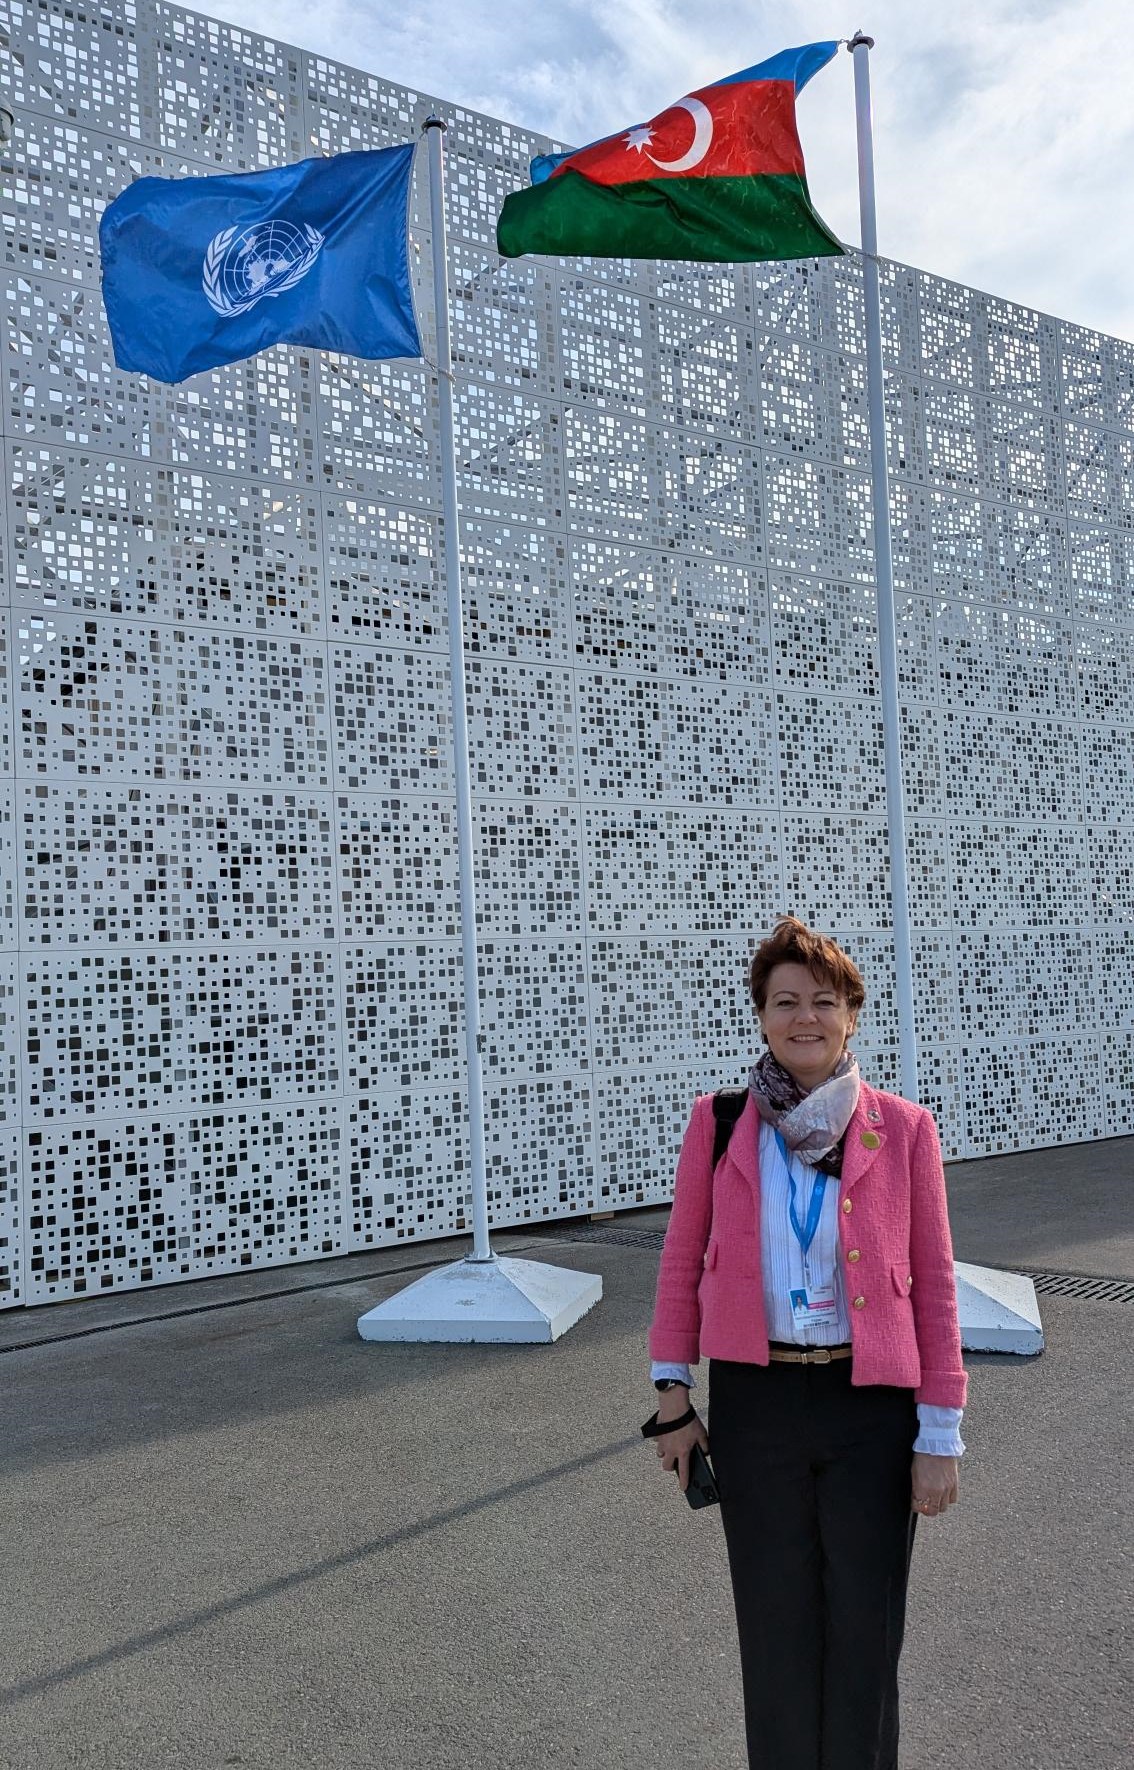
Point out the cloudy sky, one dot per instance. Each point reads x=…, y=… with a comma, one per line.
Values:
x=1004, y=129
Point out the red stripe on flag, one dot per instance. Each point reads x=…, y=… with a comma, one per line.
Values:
x=734, y=130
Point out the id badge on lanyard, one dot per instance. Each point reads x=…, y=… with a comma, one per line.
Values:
x=813, y=1302
x=809, y=1302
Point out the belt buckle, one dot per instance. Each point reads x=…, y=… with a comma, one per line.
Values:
x=819, y=1355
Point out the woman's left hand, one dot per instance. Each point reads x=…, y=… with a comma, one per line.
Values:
x=935, y=1483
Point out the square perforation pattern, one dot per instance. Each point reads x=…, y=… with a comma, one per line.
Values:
x=503, y=319
x=905, y=445
x=94, y=534
x=406, y=1167
x=1109, y=870
x=1022, y=985
x=534, y=1008
x=254, y=418
x=9, y=1039
x=9, y=865
x=683, y=1001
x=529, y=869
x=824, y=635
x=831, y=752
x=817, y=519
x=102, y=866
x=603, y=348
x=640, y=1118
x=12, y=1221
x=997, y=767
x=522, y=730
x=384, y=573
x=644, y=610
x=1005, y=663
x=508, y=456
x=110, y=1034
x=940, y=1082
x=58, y=177
x=929, y=871
x=1018, y=875
x=226, y=775
x=391, y=720
x=993, y=553
x=403, y=1016
x=224, y=94
x=379, y=429
x=145, y=703
x=709, y=497
x=540, y=1149
x=7, y=746
x=131, y=1202
x=835, y=869
x=675, y=742
x=1100, y=571
x=397, y=867
x=75, y=62
x=516, y=594
x=1037, y=1092
x=1108, y=768
x=676, y=871
x=347, y=110
x=706, y=373
x=611, y=473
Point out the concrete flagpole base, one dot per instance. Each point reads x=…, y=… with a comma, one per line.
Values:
x=485, y=1301
x=998, y=1311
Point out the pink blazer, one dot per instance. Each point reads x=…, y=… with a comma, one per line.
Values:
x=896, y=1250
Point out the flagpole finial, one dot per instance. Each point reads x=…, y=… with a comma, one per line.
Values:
x=859, y=41
x=433, y=121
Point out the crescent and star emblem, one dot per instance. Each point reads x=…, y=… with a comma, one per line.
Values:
x=702, y=137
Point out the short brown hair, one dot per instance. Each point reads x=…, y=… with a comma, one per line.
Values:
x=791, y=942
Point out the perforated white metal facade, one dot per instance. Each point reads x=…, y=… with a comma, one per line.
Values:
x=230, y=994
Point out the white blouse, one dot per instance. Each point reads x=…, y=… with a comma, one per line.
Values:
x=784, y=1270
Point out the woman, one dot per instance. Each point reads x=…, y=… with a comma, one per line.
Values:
x=814, y=1268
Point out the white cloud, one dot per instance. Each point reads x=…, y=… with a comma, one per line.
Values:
x=1003, y=137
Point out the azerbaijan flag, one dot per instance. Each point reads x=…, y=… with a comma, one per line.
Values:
x=719, y=177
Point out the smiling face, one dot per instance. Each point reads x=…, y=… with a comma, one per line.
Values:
x=806, y=1022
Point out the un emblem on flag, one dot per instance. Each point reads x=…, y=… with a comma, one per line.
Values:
x=241, y=267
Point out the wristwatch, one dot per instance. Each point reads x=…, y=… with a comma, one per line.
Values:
x=661, y=1384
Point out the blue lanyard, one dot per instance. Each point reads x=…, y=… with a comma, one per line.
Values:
x=804, y=1233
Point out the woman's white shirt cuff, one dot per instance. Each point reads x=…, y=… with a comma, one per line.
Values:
x=939, y=1431
x=680, y=1373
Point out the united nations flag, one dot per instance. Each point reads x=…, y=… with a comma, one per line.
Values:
x=202, y=271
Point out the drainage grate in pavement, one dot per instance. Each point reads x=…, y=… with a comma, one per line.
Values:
x=623, y=1238
x=1056, y=1284
x=1100, y=1290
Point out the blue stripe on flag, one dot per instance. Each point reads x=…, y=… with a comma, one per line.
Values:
x=797, y=65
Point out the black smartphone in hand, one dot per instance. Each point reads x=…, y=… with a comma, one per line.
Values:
x=701, y=1489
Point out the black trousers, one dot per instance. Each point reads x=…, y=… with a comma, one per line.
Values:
x=814, y=1479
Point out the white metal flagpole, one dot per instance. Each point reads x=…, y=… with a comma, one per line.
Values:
x=997, y=1310
x=860, y=47
x=482, y=1297
x=451, y=553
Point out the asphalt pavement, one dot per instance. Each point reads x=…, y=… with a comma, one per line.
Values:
x=237, y=1535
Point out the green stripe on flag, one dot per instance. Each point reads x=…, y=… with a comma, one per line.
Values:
x=718, y=220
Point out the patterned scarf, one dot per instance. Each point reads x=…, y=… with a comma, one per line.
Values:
x=814, y=1124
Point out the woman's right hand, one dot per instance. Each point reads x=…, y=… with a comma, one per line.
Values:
x=673, y=1447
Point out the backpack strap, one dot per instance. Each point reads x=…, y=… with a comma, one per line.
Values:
x=728, y=1104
